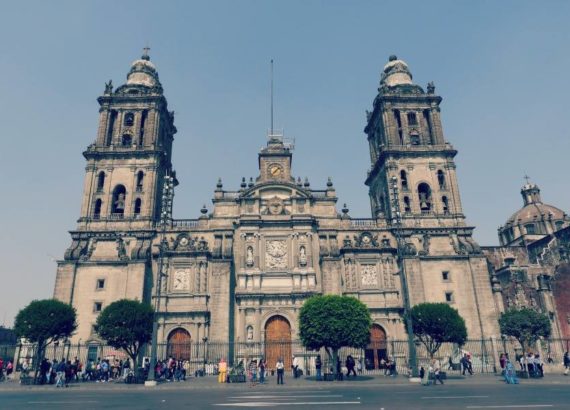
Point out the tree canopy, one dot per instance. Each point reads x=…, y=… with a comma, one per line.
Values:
x=437, y=323
x=332, y=322
x=524, y=324
x=126, y=324
x=45, y=321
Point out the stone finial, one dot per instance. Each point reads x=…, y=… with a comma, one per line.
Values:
x=243, y=183
x=306, y=184
x=344, y=210
x=250, y=182
x=329, y=182
x=204, y=210
x=219, y=185
x=299, y=183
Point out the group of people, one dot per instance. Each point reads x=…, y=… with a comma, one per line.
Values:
x=172, y=369
x=6, y=370
x=433, y=373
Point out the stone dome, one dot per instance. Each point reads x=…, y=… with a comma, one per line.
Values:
x=536, y=212
x=143, y=72
x=396, y=72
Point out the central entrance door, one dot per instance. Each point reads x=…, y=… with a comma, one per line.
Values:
x=278, y=341
x=179, y=344
x=376, y=349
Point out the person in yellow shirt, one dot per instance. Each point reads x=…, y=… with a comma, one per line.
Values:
x=222, y=370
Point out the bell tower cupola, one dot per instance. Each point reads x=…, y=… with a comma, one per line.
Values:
x=131, y=153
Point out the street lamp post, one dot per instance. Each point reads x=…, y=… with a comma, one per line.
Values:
x=165, y=218
x=397, y=223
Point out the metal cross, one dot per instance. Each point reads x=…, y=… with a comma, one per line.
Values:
x=527, y=178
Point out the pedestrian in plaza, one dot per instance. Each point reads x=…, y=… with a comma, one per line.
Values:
x=510, y=373
x=318, y=366
x=350, y=364
x=566, y=364
x=436, y=371
x=252, y=371
x=280, y=366
x=60, y=373
x=295, y=367
x=503, y=362
x=222, y=369
x=466, y=365
x=261, y=370
x=9, y=369
x=126, y=368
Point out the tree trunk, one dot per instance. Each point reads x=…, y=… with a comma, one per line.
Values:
x=38, y=362
x=335, y=361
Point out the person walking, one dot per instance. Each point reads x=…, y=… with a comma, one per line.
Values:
x=60, y=371
x=295, y=367
x=280, y=366
x=510, y=373
x=436, y=372
x=318, y=367
x=566, y=364
x=252, y=370
x=222, y=370
x=350, y=363
x=261, y=369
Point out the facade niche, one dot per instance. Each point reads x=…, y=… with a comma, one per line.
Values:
x=138, y=206
x=445, y=203
x=118, y=203
x=110, y=127
x=399, y=123
x=143, y=123
x=424, y=196
x=100, y=181
x=404, y=180
x=441, y=179
x=407, y=207
x=126, y=140
x=129, y=119
x=97, y=209
x=140, y=178
x=412, y=119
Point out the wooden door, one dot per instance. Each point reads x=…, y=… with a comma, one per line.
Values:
x=179, y=344
x=278, y=342
x=376, y=349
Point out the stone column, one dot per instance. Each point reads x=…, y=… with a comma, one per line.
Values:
x=436, y=126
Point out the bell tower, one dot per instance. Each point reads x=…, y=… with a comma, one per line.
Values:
x=131, y=153
x=407, y=143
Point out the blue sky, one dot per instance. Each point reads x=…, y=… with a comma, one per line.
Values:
x=501, y=67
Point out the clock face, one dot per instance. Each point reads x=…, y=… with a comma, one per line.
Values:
x=275, y=170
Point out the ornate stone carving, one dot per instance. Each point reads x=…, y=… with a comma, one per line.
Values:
x=302, y=256
x=275, y=206
x=181, y=280
x=185, y=243
x=366, y=240
x=249, y=261
x=276, y=254
x=369, y=275
x=121, y=250
x=89, y=249
x=425, y=245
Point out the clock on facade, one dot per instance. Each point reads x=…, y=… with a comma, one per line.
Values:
x=275, y=170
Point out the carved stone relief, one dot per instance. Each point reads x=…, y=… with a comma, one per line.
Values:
x=276, y=254
x=369, y=276
x=181, y=280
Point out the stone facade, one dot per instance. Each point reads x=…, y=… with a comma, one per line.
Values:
x=266, y=247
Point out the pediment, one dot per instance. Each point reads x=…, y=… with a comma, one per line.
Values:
x=275, y=190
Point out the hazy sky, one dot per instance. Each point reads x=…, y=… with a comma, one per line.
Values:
x=501, y=67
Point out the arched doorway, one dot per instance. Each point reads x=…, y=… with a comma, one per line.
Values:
x=278, y=341
x=179, y=344
x=376, y=349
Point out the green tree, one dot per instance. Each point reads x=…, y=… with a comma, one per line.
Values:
x=126, y=324
x=437, y=323
x=332, y=322
x=43, y=322
x=526, y=325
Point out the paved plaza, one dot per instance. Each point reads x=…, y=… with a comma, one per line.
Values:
x=478, y=392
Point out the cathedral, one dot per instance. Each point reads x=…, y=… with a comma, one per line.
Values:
x=242, y=270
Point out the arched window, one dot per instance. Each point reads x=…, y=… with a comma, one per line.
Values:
x=100, y=181
x=412, y=119
x=138, y=205
x=140, y=178
x=404, y=180
x=118, y=204
x=97, y=209
x=441, y=179
x=129, y=119
x=110, y=127
x=424, y=196
x=445, y=203
x=407, y=207
x=399, y=123
x=126, y=140
x=143, y=123
x=530, y=229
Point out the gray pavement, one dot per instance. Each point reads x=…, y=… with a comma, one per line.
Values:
x=478, y=392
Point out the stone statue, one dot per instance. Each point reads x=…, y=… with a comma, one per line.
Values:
x=424, y=205
x=249, y=333
x=302, y=256
x=430, y=87
x=120, y=202
x=109, y=87
x=249, y=261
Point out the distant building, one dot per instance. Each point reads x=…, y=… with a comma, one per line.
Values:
x=242, y=270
